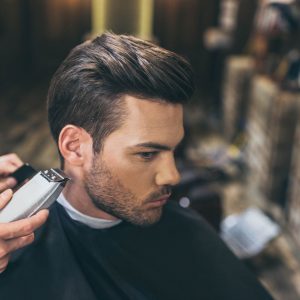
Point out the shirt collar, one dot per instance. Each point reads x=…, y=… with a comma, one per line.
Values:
x=96, y=223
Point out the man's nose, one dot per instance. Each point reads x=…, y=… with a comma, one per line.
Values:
x=168, y=173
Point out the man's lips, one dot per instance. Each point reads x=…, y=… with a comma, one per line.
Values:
x=160, y=201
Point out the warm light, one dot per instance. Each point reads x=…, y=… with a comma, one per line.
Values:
x=142, y=10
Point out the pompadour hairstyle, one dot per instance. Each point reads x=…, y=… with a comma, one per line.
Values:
x=87, y=88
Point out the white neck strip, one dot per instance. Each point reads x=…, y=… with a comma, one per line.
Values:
x=92, y=222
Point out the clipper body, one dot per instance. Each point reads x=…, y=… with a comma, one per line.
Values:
x=39, y=192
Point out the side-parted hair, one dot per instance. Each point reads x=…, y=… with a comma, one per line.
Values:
x=87, y=88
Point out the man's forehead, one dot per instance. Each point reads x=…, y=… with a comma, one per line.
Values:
x=150, y=122
x=148, y=109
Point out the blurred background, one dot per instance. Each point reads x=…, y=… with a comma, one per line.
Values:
x=240, y=159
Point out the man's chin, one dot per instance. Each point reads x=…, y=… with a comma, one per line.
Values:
x=137, y=217
x=146, y=219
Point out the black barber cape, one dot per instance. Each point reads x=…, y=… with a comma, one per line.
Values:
x=180, y=257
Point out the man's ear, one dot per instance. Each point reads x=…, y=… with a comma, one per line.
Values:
x=75, y=145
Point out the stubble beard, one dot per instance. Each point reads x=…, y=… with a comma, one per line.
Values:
x=108, y=194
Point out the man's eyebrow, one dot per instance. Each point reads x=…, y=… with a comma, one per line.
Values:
x=154, y=146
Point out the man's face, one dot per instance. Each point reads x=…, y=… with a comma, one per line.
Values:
x=132, y=176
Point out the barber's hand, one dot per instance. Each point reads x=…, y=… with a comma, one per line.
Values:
x=17, y=234
x=8, y=164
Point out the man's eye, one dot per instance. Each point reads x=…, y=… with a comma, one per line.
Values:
x=147, y=155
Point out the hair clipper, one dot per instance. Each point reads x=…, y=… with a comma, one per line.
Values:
x=38, y=193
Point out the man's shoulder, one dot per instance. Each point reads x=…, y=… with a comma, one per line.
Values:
x=184, y=224
x=194, y=232
x=184, y=217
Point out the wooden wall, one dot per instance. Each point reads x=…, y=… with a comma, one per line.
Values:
x=10, y=38
x=179, y=25
x=35, y=35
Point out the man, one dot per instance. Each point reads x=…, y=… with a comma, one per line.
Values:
x=115, y=111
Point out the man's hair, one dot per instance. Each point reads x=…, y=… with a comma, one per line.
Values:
x=87, y=88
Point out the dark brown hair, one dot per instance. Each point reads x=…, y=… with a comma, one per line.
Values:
x=87, y=89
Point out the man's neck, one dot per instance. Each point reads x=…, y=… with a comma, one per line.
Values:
x=77, y=196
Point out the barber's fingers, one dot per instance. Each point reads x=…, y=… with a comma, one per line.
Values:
x=4, y=262
x=23, y=227
x=12, y=159
x=15, y=235
x=7, y=183
x=9, y=163
x=8, y=246
x=5, y=197
x=18, y=234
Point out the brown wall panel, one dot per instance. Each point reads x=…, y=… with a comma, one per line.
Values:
x=36, y=35
x=179, y=25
